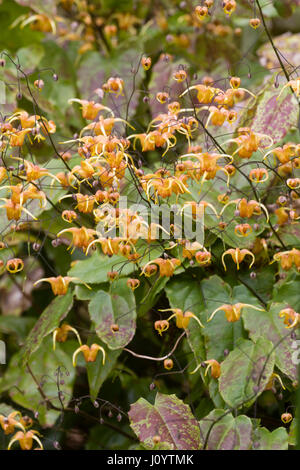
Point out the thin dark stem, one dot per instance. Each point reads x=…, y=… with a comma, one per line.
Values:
x=80, y=412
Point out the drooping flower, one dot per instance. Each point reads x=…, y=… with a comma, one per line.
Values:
x=89, y=352
x=233, y=312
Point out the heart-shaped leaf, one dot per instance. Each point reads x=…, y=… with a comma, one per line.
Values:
x=246, y=372
x=169, y=418
x=93, y=270
x=221, y=431
x=269, y=325
x=114, y=307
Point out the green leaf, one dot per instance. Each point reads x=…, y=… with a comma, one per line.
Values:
x=267, y=440
x=202, y=298
x=41, y=6
x=289, y=234
x=44, y=364
x=263, y=283
x=19, y=326
x=246, y=371
x=270, y=326
x=97, y=372
x=146, y=296
x=186, y=293
x=114, y=307
x=293, y=432
x=221, y=431
x=5, y=409
x=94, y=269
x=288, y=293
x=169, y=418
x=30, y=56
x=220, y=335
x=51, y=317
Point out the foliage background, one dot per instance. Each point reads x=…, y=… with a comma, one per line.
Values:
x=245, y=417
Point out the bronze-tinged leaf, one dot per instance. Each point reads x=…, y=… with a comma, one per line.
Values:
x=289, y=46
x=95, y=69
x=169, y=418
x=270, y=114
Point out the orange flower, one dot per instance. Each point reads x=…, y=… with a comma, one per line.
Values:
x=162, y=97
x=271, y=383
x=168, y=364
x=203, y=258
x=166, y=266
x=291, y=317
x=14, y=205
x=254, y=23
x=82, y=237
x=201, y=12
x=282, y=214
x=146, y=63
x=89, y=352
x=34, y=172
x=247, y=208
x=14, y=265
x=9, y=423
x=294, y=84
x=25, y=440
x=161, y=326
x=90, y=109
x=284, y=153
x=133, y=283
x=259, y=175
x=233, y=312
x=61, y=334
x=215, y=368
x=293, y=183
x=229, y=7
x=59, y=284
x=110, y=246
x=17, y=138
x=205, y=94
x=288, y=258
x=286, y=418
x=114, y=85
x=238, y=256
x=180, y=75
x=242, y=230
x=69, y=216
x=3, y=173
x=182, y=318
x=248, y=141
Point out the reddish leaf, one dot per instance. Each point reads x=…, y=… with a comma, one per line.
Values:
x=169, y=418
x=270, y=114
